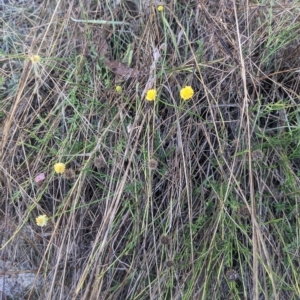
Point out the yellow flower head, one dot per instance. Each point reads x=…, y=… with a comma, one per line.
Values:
x=186, y=93
x=151, y=95
x=160, y=8
x=42, y=220
x=60, y=168
x=35, y=58
x=118, y=88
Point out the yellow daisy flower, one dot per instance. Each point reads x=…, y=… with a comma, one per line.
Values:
x=42, y=220
x=186, y=93
x=151, y=95
x=35, y=58
x=118, y=88
x=160, y=8
x=59, y=168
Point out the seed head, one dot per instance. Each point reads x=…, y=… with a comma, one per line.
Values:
x=257, y=155
x=69, y=174
x=169, y=263
x=243, y=211
x=153, y=164
x=99, y=162
x=232, y=275
x=165, y=240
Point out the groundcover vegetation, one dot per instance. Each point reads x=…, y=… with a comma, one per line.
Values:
x=150, y=150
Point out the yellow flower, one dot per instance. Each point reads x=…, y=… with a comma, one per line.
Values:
x=35, y=58
x=42, y=220
x=59, y=168
x=151, y=95
x=118, y=88
x=160, y=8
x=186, y=93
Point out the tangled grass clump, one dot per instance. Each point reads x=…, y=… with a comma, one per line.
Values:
x=162, y=201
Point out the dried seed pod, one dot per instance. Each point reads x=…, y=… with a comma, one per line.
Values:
x=257, y=155
x=153, y=164
x=243, y=211
x=165, y=240
x=169, y=263
x=99, y=162
x=69, y=174
x=232, y=275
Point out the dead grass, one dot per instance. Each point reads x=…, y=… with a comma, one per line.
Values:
x=164, y=199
